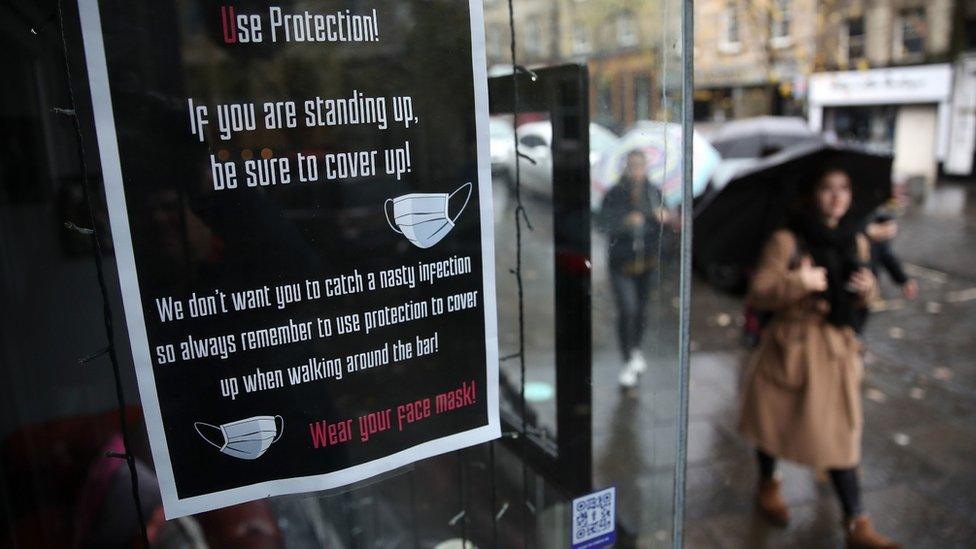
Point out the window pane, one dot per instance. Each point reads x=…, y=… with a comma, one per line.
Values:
x=913, y=31
x=558, y=221
x=855, y=38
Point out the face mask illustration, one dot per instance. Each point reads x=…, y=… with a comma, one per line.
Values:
x=246, y=438
x=423, y=217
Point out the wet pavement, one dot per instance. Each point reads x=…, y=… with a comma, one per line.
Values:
x=918, y=471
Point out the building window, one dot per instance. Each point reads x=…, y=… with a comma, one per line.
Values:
x=533, y=36
x=969, y=31
x=781, y=18
x=604, y=102
x=626, y=29
x=581, y=39
x=856, y=42
x=624, y=117
x=494, y=40
x=642, y=97
x=730, y=27
x=910, y=32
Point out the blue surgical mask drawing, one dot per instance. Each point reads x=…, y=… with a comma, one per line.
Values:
x=423, y=218
x=246, y=438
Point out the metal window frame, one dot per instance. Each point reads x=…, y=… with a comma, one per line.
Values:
x=563, y=92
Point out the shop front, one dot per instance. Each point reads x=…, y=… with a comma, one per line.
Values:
x=904, y=111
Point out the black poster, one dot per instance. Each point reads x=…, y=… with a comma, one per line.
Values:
x=300, y=201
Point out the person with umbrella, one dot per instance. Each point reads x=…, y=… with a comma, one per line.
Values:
x=632, y=214
x=801, y=398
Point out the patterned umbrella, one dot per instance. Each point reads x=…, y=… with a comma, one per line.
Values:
x=661, y=144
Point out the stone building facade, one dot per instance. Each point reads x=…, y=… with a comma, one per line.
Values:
x=859, y=34
x=615, y=38
x=752, y=56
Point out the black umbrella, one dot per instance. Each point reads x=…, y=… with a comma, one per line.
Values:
x=731, y=227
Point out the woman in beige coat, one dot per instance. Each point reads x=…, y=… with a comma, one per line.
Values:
x=801, y=397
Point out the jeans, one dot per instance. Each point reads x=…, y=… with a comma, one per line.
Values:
x=630, y=292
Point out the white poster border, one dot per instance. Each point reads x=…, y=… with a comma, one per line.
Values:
x=174, y=506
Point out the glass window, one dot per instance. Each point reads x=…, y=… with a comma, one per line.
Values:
x=494, y=45
x=604, y=101
x=591, y=311
x=730, y=35
x=782, y=18
x=969, y=26
x=642, y=97
x=581, y=39
x=910, y=33
x=534, y=36
x=856, y=39
x=626, y=29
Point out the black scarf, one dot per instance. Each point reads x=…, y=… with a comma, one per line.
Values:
x=835, y=249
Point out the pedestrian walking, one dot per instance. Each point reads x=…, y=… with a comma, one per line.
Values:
x=632, y=215
x=801, y=394
x=881, y=231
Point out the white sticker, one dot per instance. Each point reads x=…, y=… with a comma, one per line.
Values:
x=594, y=519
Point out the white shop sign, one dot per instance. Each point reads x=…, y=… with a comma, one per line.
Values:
x=922, y=84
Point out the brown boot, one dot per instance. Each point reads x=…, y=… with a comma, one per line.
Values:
x=771, y=503
x=861, y=535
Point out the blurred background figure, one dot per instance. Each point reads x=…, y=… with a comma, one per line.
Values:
x=632, y=214
x=881, y=231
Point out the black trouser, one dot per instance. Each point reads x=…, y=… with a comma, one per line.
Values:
x=845, y=483
x=630, y=293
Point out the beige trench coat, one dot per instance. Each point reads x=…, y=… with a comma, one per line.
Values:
x=801, y=390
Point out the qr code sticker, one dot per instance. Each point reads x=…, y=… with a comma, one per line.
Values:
x=594, y=519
